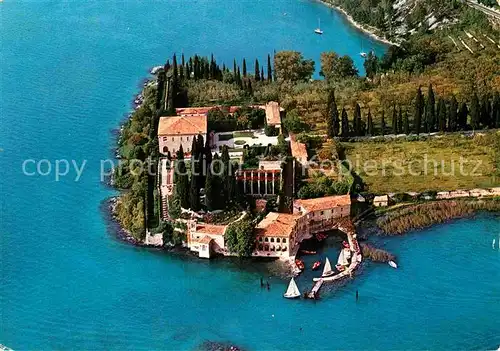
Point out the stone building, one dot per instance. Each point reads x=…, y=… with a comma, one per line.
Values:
x=180, y=130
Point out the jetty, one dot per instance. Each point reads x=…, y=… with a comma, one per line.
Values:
x=345, y=225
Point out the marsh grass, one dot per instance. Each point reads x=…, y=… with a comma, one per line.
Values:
x=424, y=215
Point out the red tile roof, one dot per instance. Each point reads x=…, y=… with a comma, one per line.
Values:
x=211, y=229
x=205, y=240
x=324, y=203
x=277, y=224
x=180, y=125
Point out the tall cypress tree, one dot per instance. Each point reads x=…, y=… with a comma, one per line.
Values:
x=262, y=73
x=495, y=111
x=442, y=115
x=269, y=70
x=210, y=191
x=430, y=110
x=400, y=121
x=331, y=113
x=474, y=112
x=357, y=120
x=345, y=123
x=257, y=70
x=244, y=68
x=485, y=111
x=239, y=81
x=370, y=123
x=453, y=114
x=418, y=109
x=181, y=179
x=235, y=71
x=406, y=124
x=463, y=112
x=194, y=194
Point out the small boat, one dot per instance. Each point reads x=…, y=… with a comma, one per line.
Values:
x=393, y=264
x=320, y=237
x=299, y=264
x=318, y=30
x=306, y=252
x=316, y=265
x=363, y=54
x=293, y=291
x=327, y=270
x=493, y=244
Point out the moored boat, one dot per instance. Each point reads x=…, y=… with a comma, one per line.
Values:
x=392, y=264
x=316, y=265
x=299, y=264
x=306, y=252
x=293, y=291
x=327, y=270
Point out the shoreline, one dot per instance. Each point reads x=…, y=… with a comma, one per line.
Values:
x=358, y=25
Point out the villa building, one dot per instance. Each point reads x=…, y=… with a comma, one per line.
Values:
x=262, y=181
x=381, y=201
x=321, y=213
x=273, y=114
x=279, y=234
x=206, y=239
x=180, y=130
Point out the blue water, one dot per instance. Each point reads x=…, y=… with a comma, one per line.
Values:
x=68, y=71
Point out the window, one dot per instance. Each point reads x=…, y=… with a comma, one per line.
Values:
x=261, y=247
x=266, y=240
x=322, y=213
x=284, y=241
x=181, y=138
x=277, y=240
x=187, y=138
x=165, y=149
x=173, y=138
x=260, y=238
x=272, y=240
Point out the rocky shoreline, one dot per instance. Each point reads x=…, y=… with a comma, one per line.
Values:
x=361, y=27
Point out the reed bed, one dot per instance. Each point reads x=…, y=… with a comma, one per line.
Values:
x=376, y=255
x=426, y=214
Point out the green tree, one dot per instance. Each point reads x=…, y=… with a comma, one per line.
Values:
x=357, y=120
x=418, y=109
x=257, y=71
x=495, y=111
x=174, y=206
x=335, y=67
x=332, y=114
x=244, y=68
x=430, y=110
x=291, y=66
x=370, y=123
x=463, y=112
x=371, y=64
x=441, y=115
x=345, y=123
x=240, y=237
x=474, y=112
x=406, y=123
x=269, y=69
x=453, y=115
x=394, y=120
x=181, y=179
x=194, y=194
x=400, y=121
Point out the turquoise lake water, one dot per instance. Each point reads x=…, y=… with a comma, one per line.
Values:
x=68, y=72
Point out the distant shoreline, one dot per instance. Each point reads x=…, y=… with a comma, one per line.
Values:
x=358, y=25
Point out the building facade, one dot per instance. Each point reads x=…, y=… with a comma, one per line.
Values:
x=180, y=130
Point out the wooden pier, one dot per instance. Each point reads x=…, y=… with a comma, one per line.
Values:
x=356, y=259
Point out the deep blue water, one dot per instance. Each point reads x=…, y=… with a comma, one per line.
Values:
x=68, y=72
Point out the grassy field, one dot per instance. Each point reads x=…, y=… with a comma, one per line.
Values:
x=441, y=163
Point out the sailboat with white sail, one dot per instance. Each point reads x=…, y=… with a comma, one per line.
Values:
x=293, y=291
x=327, y=270
x=318, y=30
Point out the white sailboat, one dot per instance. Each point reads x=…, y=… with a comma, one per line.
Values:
x=392, y=264
x=342, y=260
x=293, y=291
x=327, y=270
x=493, y=244
x=318, y=30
